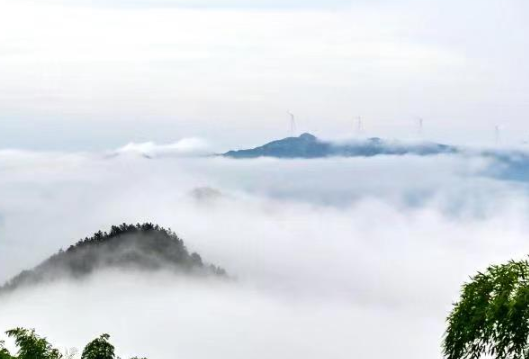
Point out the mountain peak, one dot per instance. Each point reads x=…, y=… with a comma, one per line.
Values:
x=145, y=247
x=309, y=146
x=308, y=136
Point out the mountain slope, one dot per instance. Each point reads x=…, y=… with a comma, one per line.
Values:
x=309, y=146
x=141, y=247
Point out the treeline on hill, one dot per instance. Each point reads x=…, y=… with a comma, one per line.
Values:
x=31, y=346
x=142, y=246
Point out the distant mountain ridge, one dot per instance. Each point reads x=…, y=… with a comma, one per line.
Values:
x=146, y=247
x=309, y=146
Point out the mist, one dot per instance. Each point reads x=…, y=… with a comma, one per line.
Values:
x=328, y=256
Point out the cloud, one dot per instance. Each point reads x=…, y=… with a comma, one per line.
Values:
x=184, y=147
x=180, y=317
x=330, y=255
x=214, y=4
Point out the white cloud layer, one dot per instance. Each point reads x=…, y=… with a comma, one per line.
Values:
x=332, y=256
x=184, y=147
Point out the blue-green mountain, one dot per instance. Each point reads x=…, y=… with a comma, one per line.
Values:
x=309, y=146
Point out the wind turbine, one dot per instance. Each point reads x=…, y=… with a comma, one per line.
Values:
x=359, y=126
x=497, y=135
x=292, y=124
x=420, y=126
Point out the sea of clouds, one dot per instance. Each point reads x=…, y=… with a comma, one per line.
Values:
x=333, y=258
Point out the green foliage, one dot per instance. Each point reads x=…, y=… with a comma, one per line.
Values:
x=31, y=346
x=99, y=348
x=4, y=353
x=492, y=316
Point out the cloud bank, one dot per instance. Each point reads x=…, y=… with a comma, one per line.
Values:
x=331, y=256
x=184, y=147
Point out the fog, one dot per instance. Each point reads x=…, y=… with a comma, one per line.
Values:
x=332, y=258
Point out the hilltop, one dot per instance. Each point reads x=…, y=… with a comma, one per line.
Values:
x=146, y=247
x=309, y=146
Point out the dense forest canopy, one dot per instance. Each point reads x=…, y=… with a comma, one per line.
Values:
x=142, y=246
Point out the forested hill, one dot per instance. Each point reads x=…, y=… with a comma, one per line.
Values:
x=139, y=247
x=309, y=146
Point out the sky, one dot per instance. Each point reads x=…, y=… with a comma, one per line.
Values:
x=91, y=75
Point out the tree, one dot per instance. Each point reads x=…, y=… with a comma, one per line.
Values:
x=31, y=346
x=492, y=315
x=4, y=353
x=99, y=348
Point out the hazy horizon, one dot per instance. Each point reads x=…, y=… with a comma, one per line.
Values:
x=89, y=74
